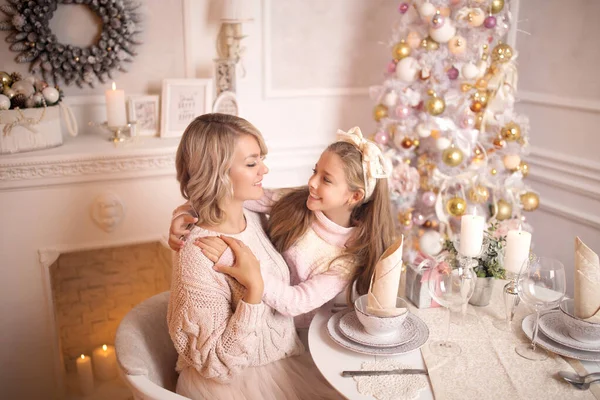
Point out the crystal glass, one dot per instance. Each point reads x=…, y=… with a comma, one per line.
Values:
x=451, y=288
x=541, y=285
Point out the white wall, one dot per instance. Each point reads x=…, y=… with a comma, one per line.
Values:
x=560, y=92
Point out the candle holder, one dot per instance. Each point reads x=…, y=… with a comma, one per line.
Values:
x=511, y=299
x=118, y=131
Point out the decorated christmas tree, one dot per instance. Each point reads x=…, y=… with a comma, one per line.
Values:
x=445, y=118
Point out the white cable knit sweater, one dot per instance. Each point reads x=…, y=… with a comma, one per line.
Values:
x=212, y=328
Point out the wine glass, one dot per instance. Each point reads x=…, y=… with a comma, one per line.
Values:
x=542, y=285
x=451, y=288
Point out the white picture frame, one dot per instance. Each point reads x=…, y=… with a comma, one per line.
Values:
x=226, y=103
x=145, y=112
x=182, y=101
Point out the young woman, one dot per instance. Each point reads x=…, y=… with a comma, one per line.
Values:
x=232, y=345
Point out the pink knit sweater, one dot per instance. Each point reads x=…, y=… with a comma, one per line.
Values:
x=214, y=331
x=313, y=281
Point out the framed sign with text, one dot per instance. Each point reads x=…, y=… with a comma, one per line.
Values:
x=182, y=101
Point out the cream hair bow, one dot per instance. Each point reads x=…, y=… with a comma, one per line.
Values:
x=375, y=166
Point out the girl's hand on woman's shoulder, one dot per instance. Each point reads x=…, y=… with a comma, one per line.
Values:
x=212, y=247
x=245, y=270
x=183, y=220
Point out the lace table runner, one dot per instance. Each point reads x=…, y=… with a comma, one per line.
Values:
x=390, y=387
x=488, y=366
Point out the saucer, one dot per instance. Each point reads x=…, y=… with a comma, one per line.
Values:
x=418, y=340
x=351, y=327
x=545, y=342
x=553, y=327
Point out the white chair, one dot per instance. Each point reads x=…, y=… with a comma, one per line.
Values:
x=145, y=352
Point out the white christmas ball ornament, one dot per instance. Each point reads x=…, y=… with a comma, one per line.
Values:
x=23, y=87
x=50, y=94
x=511, y=161
x=431, y=242
x=390, y=99
x=469, y=71
x=427, y=10
x=444, y=33
x=423, y=131
x=443, y=143
x=31, y=79
x=4, y=102
x=407, y=69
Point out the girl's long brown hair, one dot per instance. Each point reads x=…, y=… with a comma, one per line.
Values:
x=373, y=221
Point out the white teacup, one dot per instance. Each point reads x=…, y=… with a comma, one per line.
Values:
x=379, y=326
x=578, y=329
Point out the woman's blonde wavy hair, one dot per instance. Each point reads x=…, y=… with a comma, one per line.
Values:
x=204, y=157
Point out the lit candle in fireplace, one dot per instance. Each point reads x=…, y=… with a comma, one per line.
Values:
x=105, y=362
x=85, y=375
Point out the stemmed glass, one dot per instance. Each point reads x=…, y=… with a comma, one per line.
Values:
x=542, y=285
x=451, y=288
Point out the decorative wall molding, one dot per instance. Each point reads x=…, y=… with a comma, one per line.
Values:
x=270, y=92
x=570, y=214
x=552, y=100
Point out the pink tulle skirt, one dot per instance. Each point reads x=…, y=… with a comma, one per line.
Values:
x=293, y=378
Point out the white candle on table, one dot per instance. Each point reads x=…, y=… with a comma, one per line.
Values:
x=517, y=250
x=105, y=362
x=471, y=235
x=85, y=375
x=116, y=113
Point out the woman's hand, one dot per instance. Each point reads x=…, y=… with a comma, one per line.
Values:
x=212, y=247
x=180, y=226
x=245, y=270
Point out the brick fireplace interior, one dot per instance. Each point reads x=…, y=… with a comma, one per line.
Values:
x=93, y=290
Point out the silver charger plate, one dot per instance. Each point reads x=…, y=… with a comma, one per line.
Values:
x=421, y=336
x=553, y=327
x=351, y=327
x=545, y=342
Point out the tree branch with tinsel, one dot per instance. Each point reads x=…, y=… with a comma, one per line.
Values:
x=490, y=264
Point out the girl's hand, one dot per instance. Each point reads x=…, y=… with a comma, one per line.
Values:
x=212, y=247
x=245, y=270
x=180, y=226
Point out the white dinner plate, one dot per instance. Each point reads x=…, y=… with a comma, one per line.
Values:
x=544, y=341
x=421, y=336
x=553, y=327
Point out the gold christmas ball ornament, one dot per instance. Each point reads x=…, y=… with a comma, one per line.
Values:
x=456, y=206
x=435, y=105
x=405, y=218
x=524, y=168
x=416, y=142
x=406, y=143
x=530, y=201
x=429, y=44
x=465, y=87
x=493, y=171
x=5, y=79
x=499, y=143
x=478, y=120
x=479, y=194
x=503, y=210
x=481, y=84
x=502, y=53
x=401, y=50
x=452, y=156
x=511, y=132
x=497, y=6
x=380, y=112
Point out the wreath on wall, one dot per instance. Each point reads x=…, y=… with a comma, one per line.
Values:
x=33, y=39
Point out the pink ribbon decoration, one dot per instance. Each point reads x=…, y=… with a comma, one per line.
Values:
x=425, y=264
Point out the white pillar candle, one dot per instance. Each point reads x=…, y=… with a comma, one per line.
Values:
x=471, y=235
x=517, y=250
x=105, y=362
x=116, y=113
x=85, y=375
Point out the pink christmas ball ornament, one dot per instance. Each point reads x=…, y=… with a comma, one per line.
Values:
x=452, y=73
x=391, y=68
x=437, y=21
x=467, y=121
x=428, y=199
x=403, y=8
x=403, y=111
x=418, y=219
x=382, y=137
x=490, y=22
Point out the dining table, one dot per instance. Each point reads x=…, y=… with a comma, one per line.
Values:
x=488, y=367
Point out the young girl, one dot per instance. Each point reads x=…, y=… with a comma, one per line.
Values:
x=331, y=233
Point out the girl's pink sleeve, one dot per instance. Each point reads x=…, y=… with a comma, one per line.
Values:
x=265, y=203
x=306, y=296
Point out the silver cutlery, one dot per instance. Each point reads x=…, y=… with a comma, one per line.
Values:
x=388, y=372
x=580, y=382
